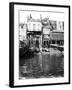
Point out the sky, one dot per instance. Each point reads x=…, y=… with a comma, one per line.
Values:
x=36, y=15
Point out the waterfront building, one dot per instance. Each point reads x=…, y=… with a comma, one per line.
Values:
x=34, y=33
x=46, y=28
x=57, y=35
x=60, y=25
x=57, y=39
x=42, y=33
x=22, y=31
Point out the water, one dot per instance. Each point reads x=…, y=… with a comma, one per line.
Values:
x=38, y=65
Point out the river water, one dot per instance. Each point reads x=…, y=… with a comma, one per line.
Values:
x=38, y=65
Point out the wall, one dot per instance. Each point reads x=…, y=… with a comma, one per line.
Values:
x=22, y=32
x=34, y=26
x=4, y=44
x=60, y=25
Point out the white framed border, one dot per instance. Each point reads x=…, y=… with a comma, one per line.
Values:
x=65, y=79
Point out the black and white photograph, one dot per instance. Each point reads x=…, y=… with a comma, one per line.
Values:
x=41, y=45
x=41, y=41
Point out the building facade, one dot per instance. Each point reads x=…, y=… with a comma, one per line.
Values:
x=41, y=34
x=60, y=25
x=34, y=33
x=22, y=31
x=46, y=28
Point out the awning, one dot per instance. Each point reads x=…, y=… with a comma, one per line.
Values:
x=57, y=36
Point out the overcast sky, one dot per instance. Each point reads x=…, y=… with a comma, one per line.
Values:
x=36, y=15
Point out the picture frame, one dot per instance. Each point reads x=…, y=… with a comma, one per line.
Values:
x=39, y=44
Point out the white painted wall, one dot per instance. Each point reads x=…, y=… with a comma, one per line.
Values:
x=59, y=25
x=34, y=26
x=22, y=33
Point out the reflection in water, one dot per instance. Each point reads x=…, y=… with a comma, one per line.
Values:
x=39, y=65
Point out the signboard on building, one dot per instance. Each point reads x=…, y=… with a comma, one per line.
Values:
x=46, y=31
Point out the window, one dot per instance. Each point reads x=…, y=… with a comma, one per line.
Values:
x=53, y=41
